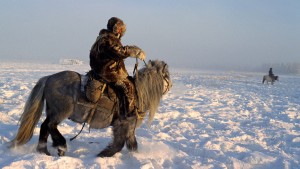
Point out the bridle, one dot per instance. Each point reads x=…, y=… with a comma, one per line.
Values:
x=168, y=85
x=135, y=71
x=167, y=81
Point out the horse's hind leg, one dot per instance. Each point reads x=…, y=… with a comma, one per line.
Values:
x=58, y=140
x=120, y=130
x=44, y=133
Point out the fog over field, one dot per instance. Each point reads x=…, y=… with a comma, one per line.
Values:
x=214, y=35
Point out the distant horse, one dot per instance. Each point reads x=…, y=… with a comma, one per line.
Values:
x=65, y=99
x=269, y=79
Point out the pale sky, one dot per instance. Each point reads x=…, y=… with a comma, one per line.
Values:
x=185, y=33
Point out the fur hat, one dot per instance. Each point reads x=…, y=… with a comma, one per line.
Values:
x=114, y=24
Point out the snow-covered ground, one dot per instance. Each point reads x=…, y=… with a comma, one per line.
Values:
x=207, y=120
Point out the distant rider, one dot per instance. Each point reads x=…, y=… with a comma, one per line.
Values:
x=271, y=73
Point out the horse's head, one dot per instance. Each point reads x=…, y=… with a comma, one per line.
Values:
x=162, y=69
x=152, y=82
x=276, y=77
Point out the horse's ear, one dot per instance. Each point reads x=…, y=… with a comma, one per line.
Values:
x=149, y=63
x=163, y=70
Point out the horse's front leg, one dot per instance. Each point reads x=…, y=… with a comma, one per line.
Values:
x=131, y=142
x=120, y=130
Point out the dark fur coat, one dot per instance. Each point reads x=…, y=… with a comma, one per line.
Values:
x=107, y=56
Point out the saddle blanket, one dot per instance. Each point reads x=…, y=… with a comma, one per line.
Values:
x=84, y=79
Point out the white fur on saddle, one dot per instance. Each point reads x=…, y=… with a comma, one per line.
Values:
x=84, y=79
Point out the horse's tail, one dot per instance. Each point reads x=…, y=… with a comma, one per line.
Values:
x=31, y=114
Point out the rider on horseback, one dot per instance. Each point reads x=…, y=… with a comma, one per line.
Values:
x=271, y=73
x=107, y=59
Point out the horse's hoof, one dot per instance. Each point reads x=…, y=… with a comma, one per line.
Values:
x=60, y=152
x=105, y=154
x=43, y=151
x=132, y=147
x=100, y=155
x=42, y=148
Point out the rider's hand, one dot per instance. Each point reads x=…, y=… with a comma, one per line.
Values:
x=141, y=55
x=136, y=52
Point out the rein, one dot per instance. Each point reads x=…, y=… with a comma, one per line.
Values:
x=135, y=71
x=136, y=67
x=168, y=85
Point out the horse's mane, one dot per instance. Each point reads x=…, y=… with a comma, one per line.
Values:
x=150, y=85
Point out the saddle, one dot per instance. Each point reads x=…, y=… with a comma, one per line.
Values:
x=100, y=113
x=97, y=91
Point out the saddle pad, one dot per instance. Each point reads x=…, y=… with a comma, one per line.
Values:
x=84, y=79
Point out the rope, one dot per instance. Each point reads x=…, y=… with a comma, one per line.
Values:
x=135, y=68
x=91, y=114
x=71, y=139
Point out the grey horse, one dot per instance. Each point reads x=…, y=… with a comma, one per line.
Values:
x=64, y=99
x=268, y=79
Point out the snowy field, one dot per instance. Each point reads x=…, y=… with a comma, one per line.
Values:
x=208, y=120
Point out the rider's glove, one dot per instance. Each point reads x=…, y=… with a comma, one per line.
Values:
x=136, y=52
x=141, y=55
